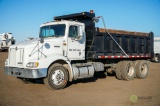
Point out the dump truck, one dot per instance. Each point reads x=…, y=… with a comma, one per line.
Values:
x=6, y=40
x=71, y=47
x=156, y=49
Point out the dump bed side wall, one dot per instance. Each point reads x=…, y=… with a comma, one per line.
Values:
x=135, y=46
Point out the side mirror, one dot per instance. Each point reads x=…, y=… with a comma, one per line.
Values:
x=80, y=33
x=41, y=40
x=79, y=37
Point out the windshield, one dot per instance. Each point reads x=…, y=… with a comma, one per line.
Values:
x=52, y=31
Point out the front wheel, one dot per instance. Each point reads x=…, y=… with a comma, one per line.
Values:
x=57, y=77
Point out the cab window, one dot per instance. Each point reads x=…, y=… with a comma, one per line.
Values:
x=73, y=31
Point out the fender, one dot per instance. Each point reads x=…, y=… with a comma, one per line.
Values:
x=46, y=62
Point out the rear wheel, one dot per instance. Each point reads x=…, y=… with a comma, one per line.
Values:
x=118, y=70
x=127, y=70
x=57, y=77
x=142, y=69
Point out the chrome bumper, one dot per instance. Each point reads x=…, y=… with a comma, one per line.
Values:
x=25, y=73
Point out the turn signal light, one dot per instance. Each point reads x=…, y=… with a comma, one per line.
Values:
x=32, y=64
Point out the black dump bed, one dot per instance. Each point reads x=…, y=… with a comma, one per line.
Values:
x=135, y=44
x=100, y=45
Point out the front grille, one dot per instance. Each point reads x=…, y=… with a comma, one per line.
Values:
x=16, y=56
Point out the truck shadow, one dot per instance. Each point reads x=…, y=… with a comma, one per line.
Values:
x=78, y=81
x=83, y=80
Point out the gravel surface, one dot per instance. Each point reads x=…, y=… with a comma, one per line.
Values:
x=107, y=91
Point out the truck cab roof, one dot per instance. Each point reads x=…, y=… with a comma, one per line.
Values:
x=60, y=22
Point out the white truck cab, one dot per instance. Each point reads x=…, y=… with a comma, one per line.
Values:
x=65, y=38
x=61, y=41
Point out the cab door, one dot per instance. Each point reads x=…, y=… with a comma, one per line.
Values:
x=76, y=42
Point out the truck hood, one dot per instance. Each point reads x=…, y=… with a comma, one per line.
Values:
x=30, y=43
x=33, y=50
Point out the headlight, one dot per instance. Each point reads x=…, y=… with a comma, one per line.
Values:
x=32, y=64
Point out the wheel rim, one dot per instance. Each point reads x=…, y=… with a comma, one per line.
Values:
x=130, y=70
x=58, y=77
x=144, y=69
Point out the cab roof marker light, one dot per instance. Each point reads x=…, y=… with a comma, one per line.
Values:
x=91, y=11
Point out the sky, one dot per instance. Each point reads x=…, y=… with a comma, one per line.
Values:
x=23, y=18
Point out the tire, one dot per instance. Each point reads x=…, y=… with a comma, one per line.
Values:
x=157, y=58
x=118, y=70
x=135, y=63
x=128, y=70
x=57, y=77
x=142, y=69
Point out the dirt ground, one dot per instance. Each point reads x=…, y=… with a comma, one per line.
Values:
x=94, y=91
